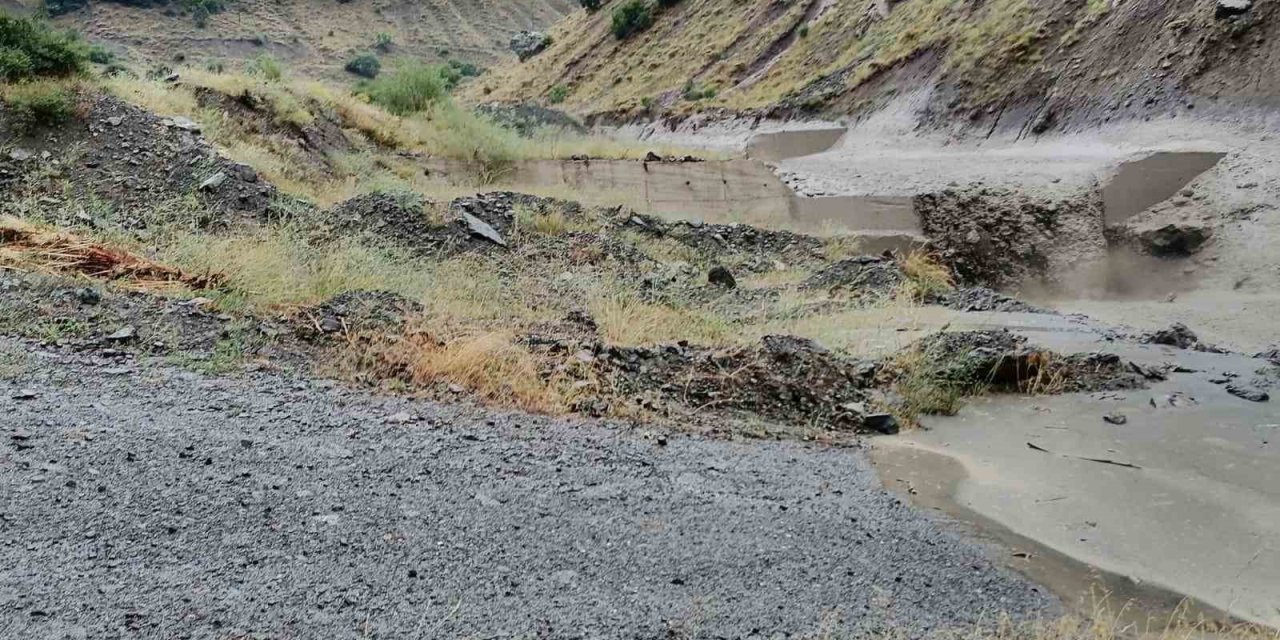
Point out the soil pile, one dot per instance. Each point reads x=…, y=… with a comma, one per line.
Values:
x=131, y=158
x=1000, y=238
x=860, y=276
x=1004, y=361
x=784, y=378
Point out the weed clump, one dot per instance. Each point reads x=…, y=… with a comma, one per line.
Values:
x=40, y=104
x=268, y=67
x=411, y=88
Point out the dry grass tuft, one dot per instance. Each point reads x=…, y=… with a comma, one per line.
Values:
x=490, y=365
x=25, y=246
x=927, y=276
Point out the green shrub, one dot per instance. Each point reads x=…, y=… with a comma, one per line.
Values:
x=411, y=88
x=631, y=18
x=100, y=55
x=804, y=31
x=693, y=92
x=55, y=8
x=382, y=41
x=268, y=67
x=590, y=5
x=365, y=65
x=465, y=69
x=39, y=104
x=29, y=48
x=557, y=94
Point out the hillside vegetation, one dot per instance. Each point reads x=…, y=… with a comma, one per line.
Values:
x=315, y=37
x=841, y=56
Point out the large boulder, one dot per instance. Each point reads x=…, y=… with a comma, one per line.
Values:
x=1175, y=240
x=528, y=44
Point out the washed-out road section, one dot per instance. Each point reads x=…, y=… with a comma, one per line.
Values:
x=141, y=500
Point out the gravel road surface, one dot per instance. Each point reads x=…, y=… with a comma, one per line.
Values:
x=144, y=501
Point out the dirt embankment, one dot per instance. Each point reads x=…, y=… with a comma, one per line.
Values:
x=117, y=159
x=1025, y=66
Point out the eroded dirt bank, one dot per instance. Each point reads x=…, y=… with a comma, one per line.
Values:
x=142, y=499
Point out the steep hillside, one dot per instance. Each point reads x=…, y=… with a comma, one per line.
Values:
x=1046, y=61
x=317, y=37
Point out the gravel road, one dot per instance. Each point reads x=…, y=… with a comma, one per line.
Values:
x=144, y=501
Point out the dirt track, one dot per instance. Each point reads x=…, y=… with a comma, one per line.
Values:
x=150, y=502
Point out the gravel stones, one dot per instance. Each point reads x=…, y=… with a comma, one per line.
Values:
x=860, y=275
x=335, y=518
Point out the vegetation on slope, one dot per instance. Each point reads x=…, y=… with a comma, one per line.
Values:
x=841, y=55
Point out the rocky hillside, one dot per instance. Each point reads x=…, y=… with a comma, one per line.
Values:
x=1034, y=64
x=314, y=37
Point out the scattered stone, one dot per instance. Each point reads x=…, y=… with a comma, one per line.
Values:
x=20, y=435
x=20, y=155
x=115, y=121
x=180, y=122
x=123, y=334
x=481, y=229
x=1232, y=8
x=88, y=296
x=213, y=182
x=652, y=157
x=1248, y=393
x=1115, y=418
x=1175, y=240
x=984, y=299
x=861, y=275
x=24, y=394
x=1177, y=335
x=402, y=417
x=721, y=277
x=881, y=423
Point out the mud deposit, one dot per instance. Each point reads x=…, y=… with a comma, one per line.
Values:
x=143, y=500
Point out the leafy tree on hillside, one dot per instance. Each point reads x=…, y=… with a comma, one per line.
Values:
x=631, y=18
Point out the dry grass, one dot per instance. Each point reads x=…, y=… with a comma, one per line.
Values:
x=379, y=139
x=490, y=365
x=926, y=274
x=31, y=248
x=626, y=320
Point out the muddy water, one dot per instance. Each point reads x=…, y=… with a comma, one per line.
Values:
x=781, y=145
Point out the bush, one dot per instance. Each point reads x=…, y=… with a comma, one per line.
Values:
x=631, y=18
x=365, y=65
x=100, y=55
x=692, y=92
x=465, y=69
x=382, y=41
x=557, y=94
x=30, y=48
x=268, y=67
x=410, y=89
x=55, y=8
x=39, y=104
x=590, y=5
